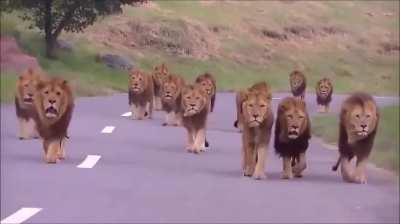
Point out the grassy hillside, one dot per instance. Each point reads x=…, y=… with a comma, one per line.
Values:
x=386, y=148
x=355, y=43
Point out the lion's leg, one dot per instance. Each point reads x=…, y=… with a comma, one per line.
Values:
x=51, y=148
x=250, y=160
x=169, y=118
x=320, y=108
x=157, y=103
x=199, y=142
x=191, y=139
x=287, y=168
x=359, y=174
x=134, y=111
x=149, y=109
x=326, y=108
x=22, y=129
x=300, y=165
x=141, y=112
x=178, y=118
x=346, y=169
x=259, y=172
x=61, y=151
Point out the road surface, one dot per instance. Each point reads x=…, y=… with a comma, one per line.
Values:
x=143, y=174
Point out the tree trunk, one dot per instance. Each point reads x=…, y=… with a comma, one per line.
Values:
x=50, y=40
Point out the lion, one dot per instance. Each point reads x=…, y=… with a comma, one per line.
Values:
x=359, y=118
x=207, y=82
x=257, y=119
x=54, y=104
x=292, y=134
x=239, y=99
x=140, y=95
x=298, y=84
x=24, y=107
x=159, y=74
x=195, y=109
x=324, y=90
x=171, y=91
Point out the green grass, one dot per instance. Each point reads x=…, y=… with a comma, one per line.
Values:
x=385, y=152
x=8, y=88
x=350, y=65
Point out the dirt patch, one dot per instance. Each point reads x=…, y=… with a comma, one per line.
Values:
x=299, y=31
x=13, y=58
x=389, y=48
x=179, y=38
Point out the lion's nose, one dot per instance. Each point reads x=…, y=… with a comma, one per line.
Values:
x=52, y=101
x=192, y=104
x=255, y=115
x=295, y=126
x=363, y=126
x=30, y=94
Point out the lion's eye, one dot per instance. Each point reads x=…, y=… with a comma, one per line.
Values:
x=262, y=105
x=140, y=79
x=290, y=116
x=58, y=93
x=197, y=97
x=357, y=116
x=368, y=116
x=251, y=105
x=188, y=97
x=301, y=116
x=26, y=85
x=46, y=92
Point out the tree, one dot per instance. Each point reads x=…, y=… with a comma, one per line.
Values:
x=54, y=16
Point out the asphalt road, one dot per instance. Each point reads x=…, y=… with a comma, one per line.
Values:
x=145, y=175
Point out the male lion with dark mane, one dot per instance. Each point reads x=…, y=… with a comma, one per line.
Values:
x=359, y=118
x=24, y=107
x=54, y=104
x=324, y=90
x=298, y=84
x=292, y=133
x=140, y=95
x=257, y=119
x=195, y=110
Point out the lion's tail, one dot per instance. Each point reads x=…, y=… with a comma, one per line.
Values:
x=335, y=167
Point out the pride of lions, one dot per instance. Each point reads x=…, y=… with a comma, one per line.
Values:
x=44, y=108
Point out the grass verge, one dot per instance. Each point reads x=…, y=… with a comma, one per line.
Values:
x=385, y=153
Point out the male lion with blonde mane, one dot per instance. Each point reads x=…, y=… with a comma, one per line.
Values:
x=292, y=133
x=54, y=104
x=359, y=118
x=257, y=119
x=207, y=82
x=140, y=95
x=194, y=117
x=171, y=91
x=24, y=107
x=159, y=74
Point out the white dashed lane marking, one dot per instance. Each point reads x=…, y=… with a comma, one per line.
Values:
x=127, y=114
x=108, y=129
x=89, y=162
x=276, y=98
x=21, y=215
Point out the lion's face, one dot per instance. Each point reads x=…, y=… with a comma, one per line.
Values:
x=170, y=89
x=294, y=117
x=296, y=79
x=207, y=86
x=26, y=86
x=255, y=108
x=324, y=87
x=362, y=120
x=54, y=96
x=160, y=73
x=137, y=81
x=194, y=99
